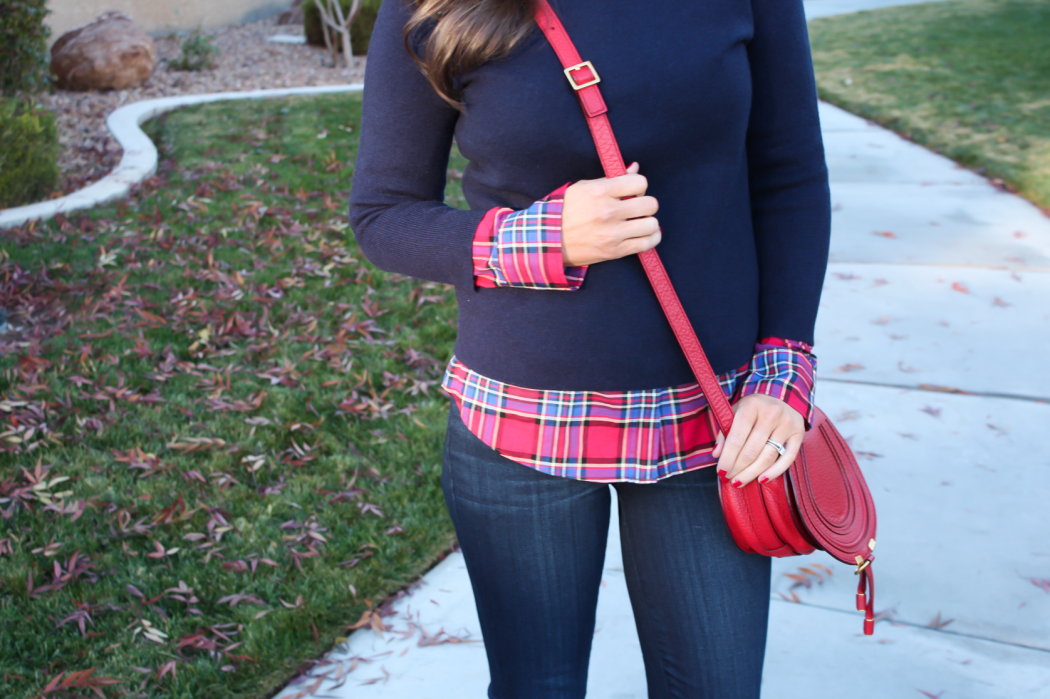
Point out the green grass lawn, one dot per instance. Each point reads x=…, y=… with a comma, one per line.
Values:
x=220, y=427
x=967, y=78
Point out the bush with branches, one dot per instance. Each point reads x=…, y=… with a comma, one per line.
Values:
x=23, y=47
x=360, y=27
x=28, y=152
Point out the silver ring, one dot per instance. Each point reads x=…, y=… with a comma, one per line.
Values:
x=777, y=445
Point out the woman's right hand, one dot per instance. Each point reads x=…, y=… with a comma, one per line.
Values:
x=608, y=219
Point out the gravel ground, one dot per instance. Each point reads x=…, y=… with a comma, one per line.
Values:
x=246, y=61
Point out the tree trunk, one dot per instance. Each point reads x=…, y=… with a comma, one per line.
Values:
x=332, y=18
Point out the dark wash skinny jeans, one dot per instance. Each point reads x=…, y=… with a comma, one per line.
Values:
x=535, y=544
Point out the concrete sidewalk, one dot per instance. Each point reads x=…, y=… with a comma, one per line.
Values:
x=938, y=282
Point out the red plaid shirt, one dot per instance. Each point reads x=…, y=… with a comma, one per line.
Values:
x=604, y=436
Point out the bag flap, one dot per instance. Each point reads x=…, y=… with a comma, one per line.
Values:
x=832, y=496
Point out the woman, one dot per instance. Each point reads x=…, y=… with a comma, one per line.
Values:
x=566, y=375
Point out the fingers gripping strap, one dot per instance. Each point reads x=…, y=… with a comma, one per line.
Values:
x=612, y=162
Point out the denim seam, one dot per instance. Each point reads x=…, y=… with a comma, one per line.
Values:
x=451, y=476
x=625, y=532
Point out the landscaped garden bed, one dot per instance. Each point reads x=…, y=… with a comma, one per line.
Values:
x=244, y=60
x=966, y=78
x=220, y=427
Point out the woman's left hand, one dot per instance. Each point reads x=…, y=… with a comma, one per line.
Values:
x=744, y=455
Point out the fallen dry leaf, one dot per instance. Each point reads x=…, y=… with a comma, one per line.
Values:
x=190, y=445
x=849, y=367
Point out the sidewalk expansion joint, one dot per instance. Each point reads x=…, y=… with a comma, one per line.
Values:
x=897, y=622
x=939, y=389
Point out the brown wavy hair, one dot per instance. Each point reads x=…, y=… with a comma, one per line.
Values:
x=466, y=34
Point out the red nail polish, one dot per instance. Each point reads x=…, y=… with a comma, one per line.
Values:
x=737, y=484
x=763, y=479
x=722, y=475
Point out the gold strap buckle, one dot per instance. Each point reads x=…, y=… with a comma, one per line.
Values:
x=572, y=80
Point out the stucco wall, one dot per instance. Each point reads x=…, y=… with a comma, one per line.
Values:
x=157, y=16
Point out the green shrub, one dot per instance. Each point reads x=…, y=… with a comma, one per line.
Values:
x=198, y=53
x=28, y=153
x=360, y=30
x=23, y=46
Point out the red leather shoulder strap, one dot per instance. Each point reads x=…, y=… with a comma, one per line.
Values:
x=580, y=73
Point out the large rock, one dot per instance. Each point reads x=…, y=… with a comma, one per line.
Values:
x=109, y=53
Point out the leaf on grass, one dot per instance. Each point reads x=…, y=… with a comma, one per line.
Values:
x=78, y=680
x=81, y=617
x=160, y=551
x=166, y=668
x=190, y=445
x=149, y=632
x=234, y=600
x=367, y=507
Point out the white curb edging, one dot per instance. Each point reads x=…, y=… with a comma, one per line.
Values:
x=140, y=155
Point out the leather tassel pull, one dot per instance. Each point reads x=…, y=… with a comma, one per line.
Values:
x=862, y=600
x=869, y=612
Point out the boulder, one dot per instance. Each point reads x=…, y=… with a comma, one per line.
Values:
x=111, y=53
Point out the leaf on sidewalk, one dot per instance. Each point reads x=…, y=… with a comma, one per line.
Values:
x=936, y=623
x=849, y=367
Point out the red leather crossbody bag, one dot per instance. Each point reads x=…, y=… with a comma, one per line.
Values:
x=822, y=501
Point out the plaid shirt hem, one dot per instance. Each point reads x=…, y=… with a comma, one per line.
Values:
x=523, y=248
x=621, y=436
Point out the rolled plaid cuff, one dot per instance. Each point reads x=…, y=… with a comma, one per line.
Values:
x=784, y=369
x=523, y=248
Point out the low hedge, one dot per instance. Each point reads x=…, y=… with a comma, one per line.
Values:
x=28, y=153
x=23, y=47
x=360, y=30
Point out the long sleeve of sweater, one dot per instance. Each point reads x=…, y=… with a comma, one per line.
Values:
x=726, y=130
x=396, y=201
x=790, y=201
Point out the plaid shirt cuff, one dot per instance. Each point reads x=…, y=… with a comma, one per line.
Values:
x=783, y=369
x=523, y=248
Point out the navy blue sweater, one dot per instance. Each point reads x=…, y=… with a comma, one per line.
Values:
x=715, y=99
